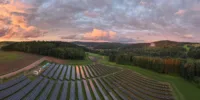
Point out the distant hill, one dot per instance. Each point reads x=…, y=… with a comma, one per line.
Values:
x=167, y=43
x=100, y=45
x=158, y=44
x=110, y=45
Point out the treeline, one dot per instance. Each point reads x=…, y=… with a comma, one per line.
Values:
x=194, y=52
x=62, y=50
x=189, y=69
x=178, y=51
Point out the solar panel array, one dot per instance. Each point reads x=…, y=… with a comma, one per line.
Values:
x=69, y=72
x=91, y=82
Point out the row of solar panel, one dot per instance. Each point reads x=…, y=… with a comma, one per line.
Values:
x=68, y=72
x=43, y=89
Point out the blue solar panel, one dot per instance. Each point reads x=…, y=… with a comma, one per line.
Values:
x=80, y=90
x=20, y=94
x=101, y=90
x=86, y=72
x=63, y=73
x=68, y=72
x=88, y=94
x=48, y=70
x=46, y=91
x=73, y=73
x=72, y=91
x=56, y=91
x=94, y=90
x=11, y=82
x=53, y=71
x=37, y=90
x=64, y=91
x=90, y=72
x=58, y=72
x=13, y=89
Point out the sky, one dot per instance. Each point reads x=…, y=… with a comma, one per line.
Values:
x=125, y=21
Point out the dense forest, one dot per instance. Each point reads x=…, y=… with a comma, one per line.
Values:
x=62, y=50
x=168, y=58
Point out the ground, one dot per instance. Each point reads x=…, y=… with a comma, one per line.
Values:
x=13, y=61
x=183, y=89
x=17, y=59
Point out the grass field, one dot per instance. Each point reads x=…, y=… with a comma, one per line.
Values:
x=183, y=90
x=12, y=61
x=186, y=47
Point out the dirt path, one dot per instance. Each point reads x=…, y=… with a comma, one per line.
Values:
x=23, y=69
x=34, y=64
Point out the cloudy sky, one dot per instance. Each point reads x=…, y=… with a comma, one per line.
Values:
x=100, y=20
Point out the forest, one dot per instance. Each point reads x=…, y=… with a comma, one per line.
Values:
x=166, y=57
x=57, y=49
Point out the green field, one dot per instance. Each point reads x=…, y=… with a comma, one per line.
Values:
x=186, y=47
x=9, y=56
x=183, y=90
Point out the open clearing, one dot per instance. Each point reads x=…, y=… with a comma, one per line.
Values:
x=12, y=61
x=86, y=82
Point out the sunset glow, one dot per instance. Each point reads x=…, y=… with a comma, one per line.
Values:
x=127, y=21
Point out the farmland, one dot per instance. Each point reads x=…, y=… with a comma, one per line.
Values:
x=96, y=81
x=17, y=59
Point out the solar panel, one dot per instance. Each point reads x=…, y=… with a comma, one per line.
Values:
x=55, y=92
x=13, y=89
x=58, y=72
x=12, y=82
x=46, y=91
x=63, y=73
x=72, y=91
x=64, y=91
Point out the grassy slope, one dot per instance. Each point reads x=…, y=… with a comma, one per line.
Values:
x=186, y=47
x=183, y=89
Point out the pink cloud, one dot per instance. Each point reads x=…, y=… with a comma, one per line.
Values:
x=97, y=34
x=143, y=3
x=14, y=23
x=180, y=12
x=188, y=36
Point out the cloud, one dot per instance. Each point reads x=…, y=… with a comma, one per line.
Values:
x=106, y=20
x=196, y=7
x=143, y=3
x=97, y=34
x=14, y=21
x=109, y=36
x=189, y=36
x=180, y=12
x=91, y=14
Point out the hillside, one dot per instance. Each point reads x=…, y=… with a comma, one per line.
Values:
x=100, y=45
